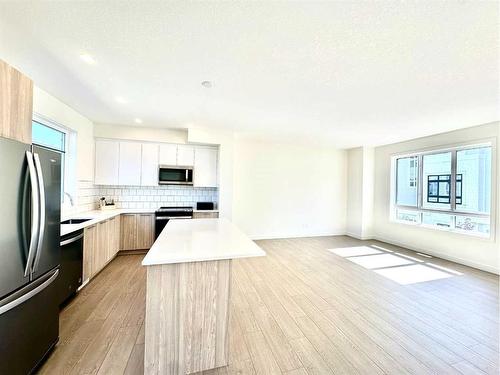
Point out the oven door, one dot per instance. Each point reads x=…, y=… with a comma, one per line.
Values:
x=168, y=175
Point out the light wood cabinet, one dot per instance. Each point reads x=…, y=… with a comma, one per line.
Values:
x=145, y=231
x=116, y=222
x=205, y=215
x=149, y=164
x=89, y=249
x=107, y=155
x=16, y=104
x=205, y=167
x=113, y=237
x=101, y=254
x=137, y=231
x=101, y=243
x=128, y=232
x=129, y=171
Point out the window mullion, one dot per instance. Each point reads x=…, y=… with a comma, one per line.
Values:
x=420, y=181
x=453, y=182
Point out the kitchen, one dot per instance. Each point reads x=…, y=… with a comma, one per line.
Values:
x=133, y=177
x=209, y=208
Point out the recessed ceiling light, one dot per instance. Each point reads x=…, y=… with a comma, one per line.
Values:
x=87, y=58
x=138, y=121
x=207, y=84
x=121, y=100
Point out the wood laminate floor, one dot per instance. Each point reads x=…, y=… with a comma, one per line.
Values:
x=325, y=305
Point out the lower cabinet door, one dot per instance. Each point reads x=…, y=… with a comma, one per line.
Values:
x=89, y=249
x=102, y=245
x=116, y=235
x=145, y=231
x=128, y=230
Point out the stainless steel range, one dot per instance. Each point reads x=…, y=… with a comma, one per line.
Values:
x=164, y=214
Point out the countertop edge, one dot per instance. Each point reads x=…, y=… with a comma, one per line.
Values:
x=98, y=216
x=205, y=259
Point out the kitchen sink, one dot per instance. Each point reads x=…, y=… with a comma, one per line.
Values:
x=74, y=221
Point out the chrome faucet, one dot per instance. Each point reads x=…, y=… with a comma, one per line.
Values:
x=70, y=199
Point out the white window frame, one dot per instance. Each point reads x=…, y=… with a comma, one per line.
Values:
x=490, y=142
x=69, y=154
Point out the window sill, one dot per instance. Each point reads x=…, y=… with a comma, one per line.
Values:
x=487, y=237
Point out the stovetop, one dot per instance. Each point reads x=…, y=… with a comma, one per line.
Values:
x=175, y=209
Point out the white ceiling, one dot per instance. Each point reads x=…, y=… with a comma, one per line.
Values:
x=350, y=73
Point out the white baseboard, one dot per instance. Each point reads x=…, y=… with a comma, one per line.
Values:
x=465, y=262
x=358, y=237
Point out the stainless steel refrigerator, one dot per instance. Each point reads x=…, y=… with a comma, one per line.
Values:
x=30, y=191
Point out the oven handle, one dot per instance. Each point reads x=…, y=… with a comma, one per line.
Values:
x=71, y=240
x=172, y=217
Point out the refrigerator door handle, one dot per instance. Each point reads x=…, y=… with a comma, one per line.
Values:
x=10, y=305
x=35, y=213
x=41, y=192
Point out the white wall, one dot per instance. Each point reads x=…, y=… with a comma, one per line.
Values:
x=284, y=190
x=360, y=175
x=368, y=191
x=354, y=222
x=474, y=251
x=51, y=108
x=140, y=133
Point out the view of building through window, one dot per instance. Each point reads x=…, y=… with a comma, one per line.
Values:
x=453, y=191
x=55, y=139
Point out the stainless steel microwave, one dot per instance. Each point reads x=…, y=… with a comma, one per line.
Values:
x=175, y=175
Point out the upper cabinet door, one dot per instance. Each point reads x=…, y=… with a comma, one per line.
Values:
x=16, y=104
x=107, y=154
x=205, y=167
x=150, y=153
x=185, y=155
x=130, y=163
x=168, y=154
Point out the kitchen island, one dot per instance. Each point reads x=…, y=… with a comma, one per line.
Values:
x=188, y=294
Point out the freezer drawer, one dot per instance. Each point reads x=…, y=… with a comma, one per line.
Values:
x=30, y=329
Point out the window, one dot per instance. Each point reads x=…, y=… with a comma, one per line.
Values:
x=448, y=189
x=46, y=136
x=53, y=138
x=407, y=181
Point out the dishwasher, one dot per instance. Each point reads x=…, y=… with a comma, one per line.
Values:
x=70, y=277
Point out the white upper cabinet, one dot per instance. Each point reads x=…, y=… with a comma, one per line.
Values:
x=185, y=155
x=150, y=155
x=168, y=154
x=130, y=163
x=106, y=162
x=205, y=167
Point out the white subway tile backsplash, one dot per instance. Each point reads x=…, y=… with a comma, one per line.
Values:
x=88, y=195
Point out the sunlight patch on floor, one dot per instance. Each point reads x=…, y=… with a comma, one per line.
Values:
x=354, y=251
x=401, y=268
x=380, y=261
x=416, y=273
x=445, y=269
x=381, y=248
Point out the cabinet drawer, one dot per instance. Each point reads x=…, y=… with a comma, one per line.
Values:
x=205, y=215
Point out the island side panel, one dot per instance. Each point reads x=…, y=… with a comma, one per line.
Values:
x=187, y=317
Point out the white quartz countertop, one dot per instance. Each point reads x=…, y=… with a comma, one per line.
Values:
x=198, y=240
x=97, y=216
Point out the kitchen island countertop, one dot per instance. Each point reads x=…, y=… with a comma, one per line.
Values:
x=200, y=240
